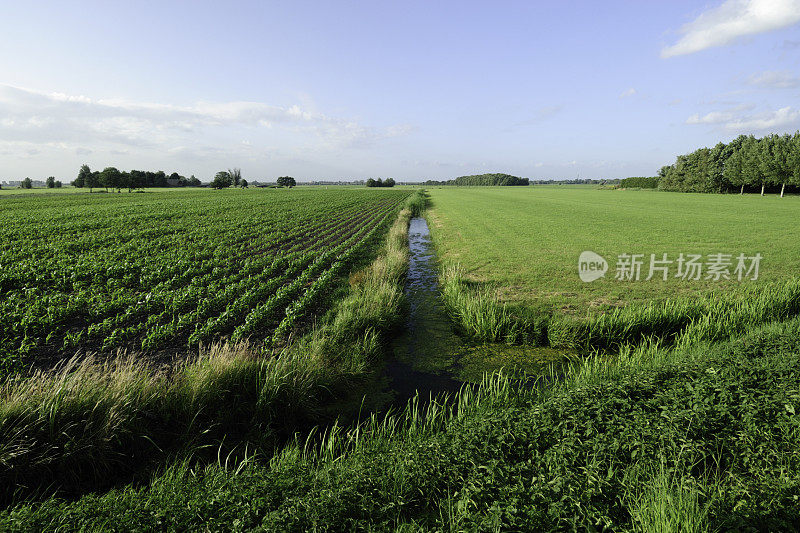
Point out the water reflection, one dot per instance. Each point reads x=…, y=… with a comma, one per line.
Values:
x=429, y=355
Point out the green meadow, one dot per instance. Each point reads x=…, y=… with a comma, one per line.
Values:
x=524, y=242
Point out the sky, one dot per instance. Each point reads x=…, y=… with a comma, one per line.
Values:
x=411, y=90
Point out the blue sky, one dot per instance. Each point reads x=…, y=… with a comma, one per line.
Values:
x=411, y=90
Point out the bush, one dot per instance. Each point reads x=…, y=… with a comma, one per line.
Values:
x=639, y=182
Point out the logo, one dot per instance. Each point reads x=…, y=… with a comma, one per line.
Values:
x=591, y=266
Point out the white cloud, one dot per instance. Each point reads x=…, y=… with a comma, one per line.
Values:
x=627, y=92
x=39, y=118
x=785, y=118
x=715, y=117
x=775, y=79
x=731, y=20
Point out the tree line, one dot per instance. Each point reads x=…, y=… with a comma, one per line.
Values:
x=112, y=178
x=577, y=181
x=483, y=180
x=746, y=162
x=389, y=182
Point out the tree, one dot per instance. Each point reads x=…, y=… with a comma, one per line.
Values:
x=222, y=180
x=793, y=158
x=783, y=161
x=371, y=183
x=111, y=178
x=135, y=179
x=243, y=184
x=26, y=184
x=750, y=170
x=389, y=182
x=733, y=170
x=51, y=182
x=58, y=184
x=236, y=176
x=92, y=180
x=83, y=173
x=159, y=179
x=193, y=182
x=286, y=181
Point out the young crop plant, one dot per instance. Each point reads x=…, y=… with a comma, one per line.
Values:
x=160, y=275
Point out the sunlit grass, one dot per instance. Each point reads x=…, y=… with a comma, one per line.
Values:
x=523, y=243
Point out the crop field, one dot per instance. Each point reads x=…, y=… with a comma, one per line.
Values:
x=153, y=272
x=525, y=242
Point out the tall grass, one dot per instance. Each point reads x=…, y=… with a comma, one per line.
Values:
x=90, y=423
x=670, y=502
x=480, y=315
x=93, y=422
x=711, y=318
x=717, y=316
x=686, y=439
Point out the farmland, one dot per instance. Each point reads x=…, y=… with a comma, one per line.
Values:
x=158, y=273
x=524, y=243
x=637, y=431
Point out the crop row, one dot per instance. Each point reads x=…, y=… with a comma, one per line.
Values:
x=170, y=271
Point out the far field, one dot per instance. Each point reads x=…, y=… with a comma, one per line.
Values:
x=525, y=241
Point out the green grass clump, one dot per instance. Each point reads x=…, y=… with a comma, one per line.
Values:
x=670, y=504
x=480, y=315
x=697, y=438
x=417, y=203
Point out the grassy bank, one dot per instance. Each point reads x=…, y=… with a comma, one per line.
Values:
x=92, y=424
x=658, y=440
x=478, y=313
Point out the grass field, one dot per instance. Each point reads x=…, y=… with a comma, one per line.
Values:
x=525, y=241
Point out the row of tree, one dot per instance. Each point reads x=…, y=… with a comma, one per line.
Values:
x=112, y=178
x=482, y=180
x=746, y=162
x=389, y=182
x=50, y=183
x=577, y=181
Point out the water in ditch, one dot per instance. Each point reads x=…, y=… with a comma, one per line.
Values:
x=429, y=356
